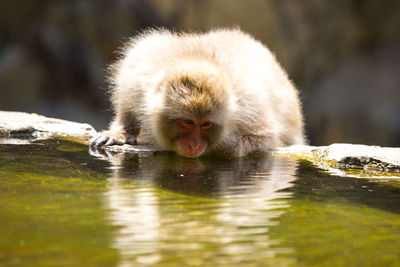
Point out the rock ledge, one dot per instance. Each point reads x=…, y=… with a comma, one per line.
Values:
x=15, y=123
x=348, y=156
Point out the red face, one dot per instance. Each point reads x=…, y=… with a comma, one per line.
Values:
x=193, y=140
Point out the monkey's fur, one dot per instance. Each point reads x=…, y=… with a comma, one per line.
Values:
x=224, y=75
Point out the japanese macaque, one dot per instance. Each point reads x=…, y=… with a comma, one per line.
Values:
x=220, y=92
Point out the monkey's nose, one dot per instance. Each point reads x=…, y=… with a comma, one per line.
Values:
x=194, y=145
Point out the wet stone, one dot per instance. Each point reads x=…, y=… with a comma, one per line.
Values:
x=21, y=123
x=349, y=156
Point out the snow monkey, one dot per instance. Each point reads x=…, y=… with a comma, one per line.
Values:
x=219, y=92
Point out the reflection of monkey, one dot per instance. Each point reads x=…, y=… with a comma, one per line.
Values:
x=197, y=93
x=162, y=202
x=205, y=176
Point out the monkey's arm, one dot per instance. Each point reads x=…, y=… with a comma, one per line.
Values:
x=123, y=130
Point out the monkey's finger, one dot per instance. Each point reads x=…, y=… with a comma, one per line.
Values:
x=101, y=140
x=114, y=141
x=94, y=139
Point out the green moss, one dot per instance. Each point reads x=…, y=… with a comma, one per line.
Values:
x=52, y=213
x=339, y=233
x=61, y=206
x=341, y=221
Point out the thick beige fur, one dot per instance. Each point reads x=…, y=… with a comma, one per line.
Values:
x=257, y=106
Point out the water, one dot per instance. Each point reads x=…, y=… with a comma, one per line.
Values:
x=60, y=205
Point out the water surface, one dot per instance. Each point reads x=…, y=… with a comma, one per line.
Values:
x=61, y=205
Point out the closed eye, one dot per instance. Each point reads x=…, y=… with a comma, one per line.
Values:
x=207, y=125
x=186, y=124
x=190, y=122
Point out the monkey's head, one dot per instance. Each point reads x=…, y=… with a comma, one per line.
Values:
x=197, y=106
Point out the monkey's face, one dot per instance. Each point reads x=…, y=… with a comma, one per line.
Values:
x=191, y=137
x=194, y=135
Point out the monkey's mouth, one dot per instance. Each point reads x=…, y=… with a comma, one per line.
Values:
x=191, y=151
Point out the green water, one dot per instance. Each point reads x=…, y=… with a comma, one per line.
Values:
x=60, y=205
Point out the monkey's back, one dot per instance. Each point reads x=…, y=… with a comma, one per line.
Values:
x=267, y=102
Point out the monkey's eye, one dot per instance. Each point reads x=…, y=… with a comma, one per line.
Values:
x=189, y=122
x=207, y=125
x=186, y=124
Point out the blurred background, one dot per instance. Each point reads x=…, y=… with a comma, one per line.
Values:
x=344, y=56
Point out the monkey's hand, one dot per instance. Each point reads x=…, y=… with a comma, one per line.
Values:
x=109, y=138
